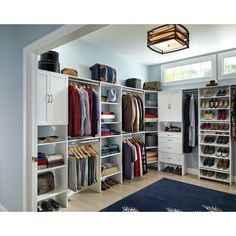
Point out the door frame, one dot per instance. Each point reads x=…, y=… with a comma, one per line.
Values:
x=52, y=40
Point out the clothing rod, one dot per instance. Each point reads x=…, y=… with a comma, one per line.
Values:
x=190, y=90
x=83, y=81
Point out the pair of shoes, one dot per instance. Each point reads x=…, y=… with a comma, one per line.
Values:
x=221, y=93
x=223, y=104
x=108, y=183
x=178, y=171
x=208, y=173
x=50, y=205
x=207, y=93
x=209, y=150
x=169, y=169
x=209, y=162
x=208, y=115
x=222, y=140
x=221, y=115
x=224, y=164
x=209, y=139
x=221, y=176
x=205, y=126
x=205, y=104
x=214, y=103
x=222, y=152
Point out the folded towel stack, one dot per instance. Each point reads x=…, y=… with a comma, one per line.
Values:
x=108, y=116
x=47, y=161
x=108, y=168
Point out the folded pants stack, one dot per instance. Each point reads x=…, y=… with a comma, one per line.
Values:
x=110, y=149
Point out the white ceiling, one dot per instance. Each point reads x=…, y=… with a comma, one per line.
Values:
x=130, y=40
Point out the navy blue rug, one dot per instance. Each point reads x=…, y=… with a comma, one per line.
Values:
x=170, y=196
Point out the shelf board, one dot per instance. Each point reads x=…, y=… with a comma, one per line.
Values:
x=116, y=173
x=215, y=121
x=52, y=143
x=227, y=96
x=110, y=103
x=51, y=194
x=151, y=162
x=213, y=109
x=83, y=80
x=150, y=107
x=214, y=156
x=106, y=84
x=111, y=136
x=215, y=144
x=151, y=131
x=150, y=91
x=133, y=133
x=134, y=90
x=153, y=147
x=151, y=121
x=51, y=168
x=214, y=168
x=84, y=139
x=111, y=155
x=214, y=178
x=110, y=122
x=210, y=134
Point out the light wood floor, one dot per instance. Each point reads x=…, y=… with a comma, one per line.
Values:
x=89, y=200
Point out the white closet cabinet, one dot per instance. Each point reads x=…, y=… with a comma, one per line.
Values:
x=170, y=106
x=52, y=98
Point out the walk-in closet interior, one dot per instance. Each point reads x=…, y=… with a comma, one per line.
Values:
x=137, y=126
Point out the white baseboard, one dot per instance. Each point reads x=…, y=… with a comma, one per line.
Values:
x=192, y=171
x=2, y=208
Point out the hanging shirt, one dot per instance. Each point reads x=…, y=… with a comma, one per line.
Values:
x=192, y=131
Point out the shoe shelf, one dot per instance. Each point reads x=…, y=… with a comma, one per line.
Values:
x=214, y=144
x=215, y=169
x=214, y=156
x=214, y=109
x=106, y=176
x=214, y=178
x=208, y=109
x=151, y=131
x=51, y=194
x=152, y=162
x=226, y=96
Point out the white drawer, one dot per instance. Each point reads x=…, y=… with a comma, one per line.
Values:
x=170, y=145
x=170, y=158
x=170, y=134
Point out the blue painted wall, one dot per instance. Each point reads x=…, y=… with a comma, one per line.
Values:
x=80, y=55
x=13, y=38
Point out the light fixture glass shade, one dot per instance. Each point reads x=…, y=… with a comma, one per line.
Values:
x=168, y=38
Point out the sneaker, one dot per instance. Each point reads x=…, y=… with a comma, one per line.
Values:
x=210, y=173
x=55, y=204
x=47, y=206
x=206, y=161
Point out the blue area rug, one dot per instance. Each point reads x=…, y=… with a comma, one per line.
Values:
x=170, y=196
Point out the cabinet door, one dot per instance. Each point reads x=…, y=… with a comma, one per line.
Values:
x=42, y=98
x=163, y=106
x=176, y=106
x=58, y=87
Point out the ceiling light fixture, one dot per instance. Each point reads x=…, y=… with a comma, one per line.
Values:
x=168, y=38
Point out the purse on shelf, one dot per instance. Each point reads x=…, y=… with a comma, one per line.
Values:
x=45, y=182
x=134, y=83
x=153, y=85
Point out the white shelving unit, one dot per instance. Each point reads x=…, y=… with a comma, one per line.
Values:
x=151, y=126
x=206, y=171
x=115, y=125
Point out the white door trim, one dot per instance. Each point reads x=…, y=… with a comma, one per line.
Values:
x=55, y=39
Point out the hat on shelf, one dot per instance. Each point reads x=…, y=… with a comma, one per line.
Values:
x=70, y=71
x=212, y=83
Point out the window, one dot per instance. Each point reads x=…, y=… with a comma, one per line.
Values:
x=227, y=65
x=189, y=71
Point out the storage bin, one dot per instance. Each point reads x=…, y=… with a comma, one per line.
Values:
x=151, y=140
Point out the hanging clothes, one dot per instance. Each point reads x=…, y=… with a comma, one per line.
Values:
x=233, y=114
x=134, y=159
x=192, y=131
x=132, y=113
x=83, y=111
x=190, y=124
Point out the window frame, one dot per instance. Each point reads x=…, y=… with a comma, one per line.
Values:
x=184, y=62
x=221, y=56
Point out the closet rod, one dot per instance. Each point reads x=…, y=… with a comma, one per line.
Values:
x=83, y=82
x=190, y=90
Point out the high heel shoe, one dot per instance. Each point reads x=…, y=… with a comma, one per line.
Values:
x=203, y=104
x=225, y=104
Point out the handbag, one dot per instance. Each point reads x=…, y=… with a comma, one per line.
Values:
x=154, y=85
x=69, y=71
x=134, y=83
x=103, y=73
x=45, y=182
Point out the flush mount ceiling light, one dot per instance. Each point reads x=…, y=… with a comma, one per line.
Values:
x=168, y=38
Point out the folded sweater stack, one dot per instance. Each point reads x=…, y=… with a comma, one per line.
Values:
x=48, y=161
x=110, y=149
x=108, y=168
x=108, y=116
